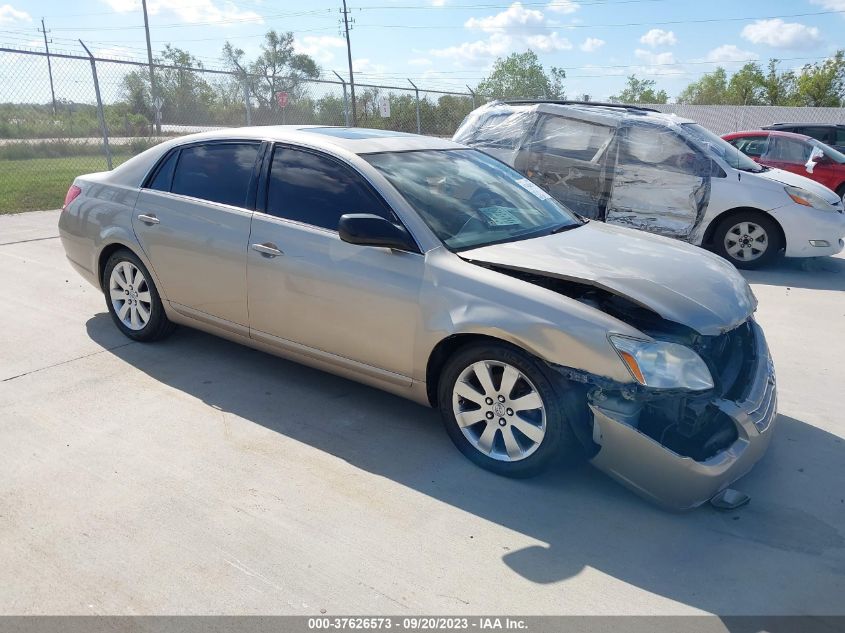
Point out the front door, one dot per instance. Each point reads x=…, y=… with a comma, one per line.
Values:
x=309, y=288
x=660, y=183
x=193, y=223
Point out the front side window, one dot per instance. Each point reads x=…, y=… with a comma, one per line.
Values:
x=317, y=190
x=715, y=145
x=469, y=199
x=658, y=147
x=788, y=150
x=218, y=172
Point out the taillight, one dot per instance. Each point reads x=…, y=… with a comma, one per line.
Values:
x=71, y=195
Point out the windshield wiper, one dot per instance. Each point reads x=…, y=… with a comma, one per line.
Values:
x=566, y=227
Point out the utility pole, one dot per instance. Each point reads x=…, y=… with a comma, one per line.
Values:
x=49, y=65
x=349, y=59
x=153, y=91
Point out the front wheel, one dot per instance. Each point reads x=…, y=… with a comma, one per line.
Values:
x=748, y=239
x=132, y=298
x=504, y=409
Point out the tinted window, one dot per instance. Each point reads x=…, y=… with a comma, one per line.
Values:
x=823, y=134
x=218, y=173
x=164, y=175
x=840, y=136
x=317, y=190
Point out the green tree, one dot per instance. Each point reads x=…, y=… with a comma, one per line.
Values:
x=779, y=88
x=746, y=86
x=710, y=89
x=277, y=69
x=522, y=75
x=187, y=96
x=640, y=91
x=823, y=84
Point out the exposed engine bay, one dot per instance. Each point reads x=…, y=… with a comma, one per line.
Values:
x=688, y=423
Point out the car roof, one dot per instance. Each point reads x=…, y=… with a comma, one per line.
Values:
x=351, y=139
x=594, y=111
x=795, y=135
x=776, y=125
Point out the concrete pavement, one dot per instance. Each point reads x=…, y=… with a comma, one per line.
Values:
x=197, y=476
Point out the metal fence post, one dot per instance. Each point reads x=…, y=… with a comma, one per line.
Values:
x=345, y=99
x=471, y=94
x=417, y=93
x=246, y=101
x=101, y=115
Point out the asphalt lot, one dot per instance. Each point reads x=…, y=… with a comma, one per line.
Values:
x=197, y=476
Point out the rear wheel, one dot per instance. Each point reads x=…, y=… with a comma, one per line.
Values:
x=748, y=239
x=132, y=298
x=504, y=409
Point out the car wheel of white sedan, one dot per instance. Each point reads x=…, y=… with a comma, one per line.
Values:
x=748, y=239
x=504, y=409
x=132, y=298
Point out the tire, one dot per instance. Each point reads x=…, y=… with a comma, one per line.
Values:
x=512, y=453
x=130, y=297
x=740, y=236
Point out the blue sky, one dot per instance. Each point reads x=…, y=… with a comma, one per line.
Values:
x=449, y=43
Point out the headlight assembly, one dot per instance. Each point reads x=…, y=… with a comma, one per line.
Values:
x=807, y=199
x=663, y=365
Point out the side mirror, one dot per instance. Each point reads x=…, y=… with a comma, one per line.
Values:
x=366, y=229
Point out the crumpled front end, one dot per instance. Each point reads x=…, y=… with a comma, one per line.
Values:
x=680, y=450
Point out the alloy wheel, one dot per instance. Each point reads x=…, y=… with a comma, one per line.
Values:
x=130, y=296
x=746, y=241
x=499, y=410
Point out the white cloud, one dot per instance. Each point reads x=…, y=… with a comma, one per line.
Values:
x=319, y=46
x=832, y=5
x=10, y=15
x=515, y=18
x=779, y=34
x=514, y=29
x=366, y=66
x=563, y=6
x=659, y=37
x=651, y=58
x=192, y=11
x=729, y=53
x=438, y=3
x=591, y=44
x=420, y=61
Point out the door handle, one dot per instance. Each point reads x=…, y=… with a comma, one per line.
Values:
x=269, y=249
x=148, y=219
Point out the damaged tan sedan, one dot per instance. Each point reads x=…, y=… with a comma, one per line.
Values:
x=437, y=273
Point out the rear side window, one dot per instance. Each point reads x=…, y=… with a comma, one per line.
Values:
x=164, y=175
x=823, y=134
x=840, y=136
x=317, y=190
x=571, y=138
x=219, y=172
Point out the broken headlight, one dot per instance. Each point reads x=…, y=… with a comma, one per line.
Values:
x=663, y=365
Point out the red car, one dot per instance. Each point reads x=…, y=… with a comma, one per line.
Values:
x=797, y=153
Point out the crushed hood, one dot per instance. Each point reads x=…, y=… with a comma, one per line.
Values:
x=796, y=180
x=680, y=282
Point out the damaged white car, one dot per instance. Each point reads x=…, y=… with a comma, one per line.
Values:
x=660, y=173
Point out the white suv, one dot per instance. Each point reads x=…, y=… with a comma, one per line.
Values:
x=660, y=173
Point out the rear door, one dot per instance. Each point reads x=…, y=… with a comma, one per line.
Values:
x=193, y=221
x=661, y=184
x=567, y=157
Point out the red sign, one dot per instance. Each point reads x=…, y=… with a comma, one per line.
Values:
x=282, y=99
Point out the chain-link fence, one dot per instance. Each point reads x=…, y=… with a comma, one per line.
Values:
x=65, y=115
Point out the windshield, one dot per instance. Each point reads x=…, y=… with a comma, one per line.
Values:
x=834, y=155
x=717, y=146
x=470, y=199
